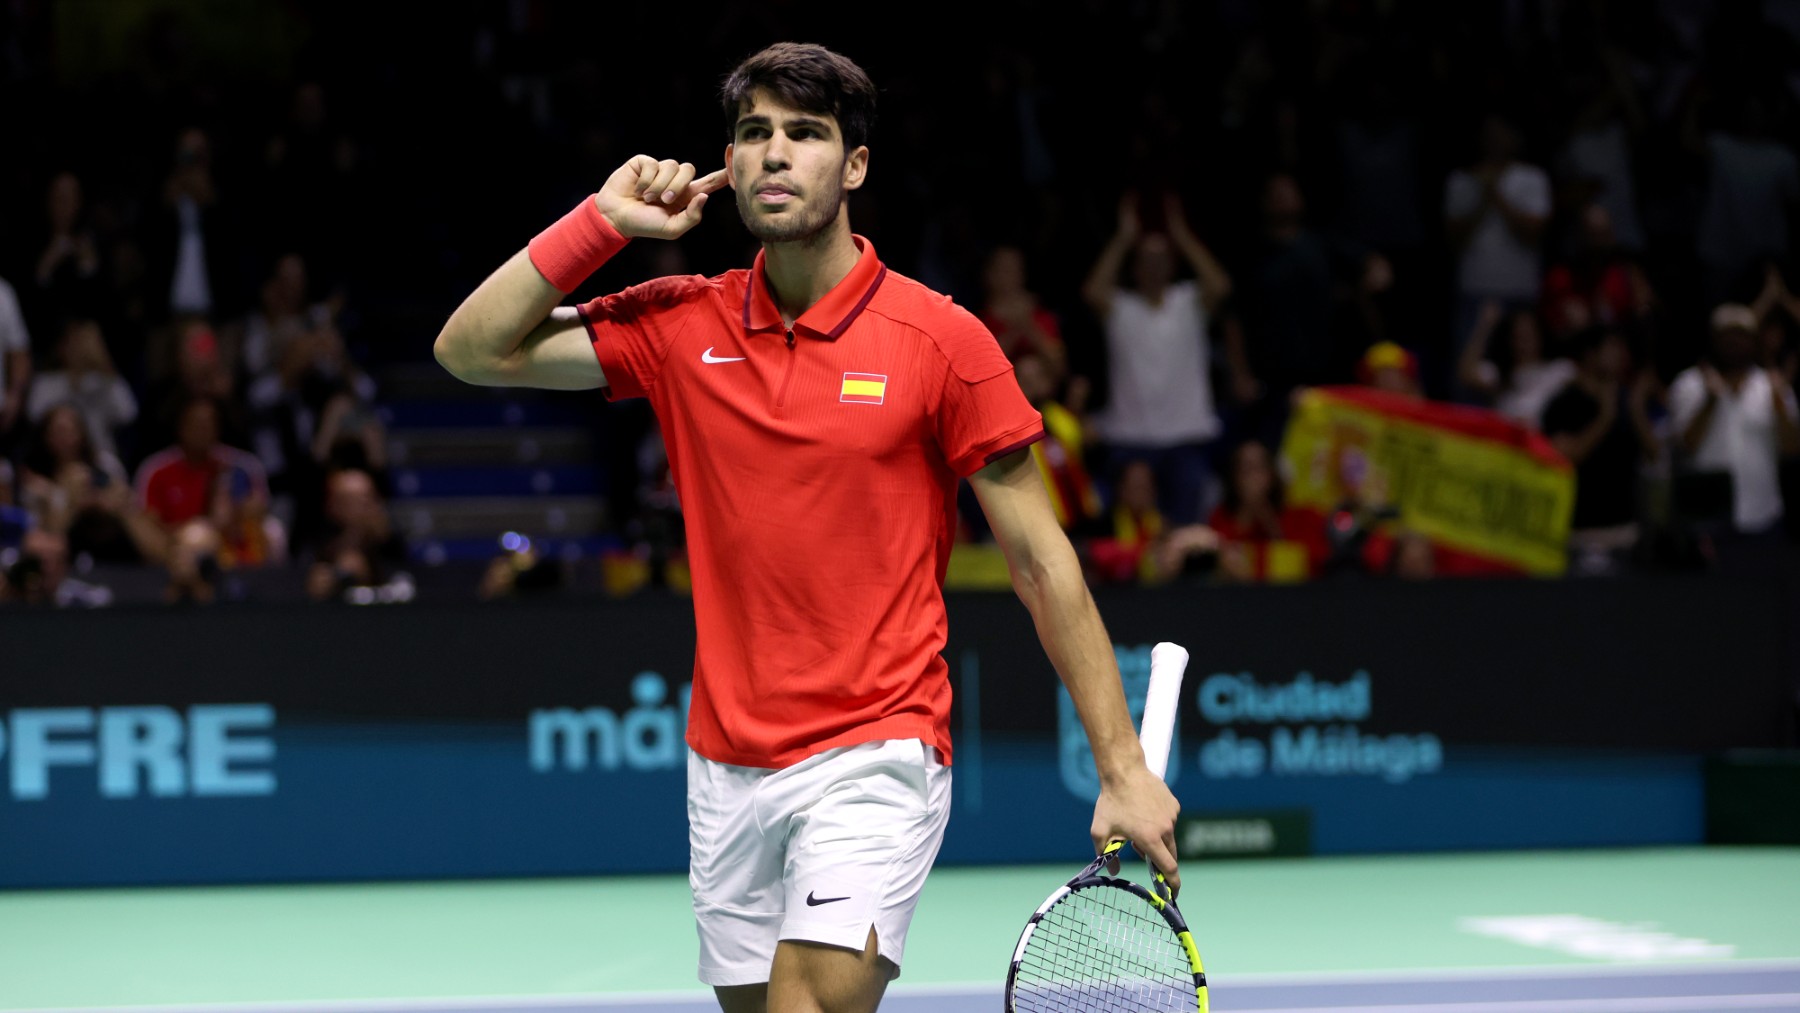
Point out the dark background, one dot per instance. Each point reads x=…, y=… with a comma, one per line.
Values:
x=467, y=127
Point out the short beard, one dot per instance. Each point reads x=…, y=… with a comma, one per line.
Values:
x=808, y=227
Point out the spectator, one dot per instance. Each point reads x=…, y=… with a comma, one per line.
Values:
x=1013, y=313
x=1261, y=538
x=1600, y=421
x=1516, y=378
x=1778, y=344
x=1130, y=553
x=189, y=244
x=1752, y=187
x=1735, y=416
x=282, y=316
x=88, y=381
x=1598, y=285
x=15, y=364
x=1060, y=455
x=1292, y=299
x=1496, y=210
x=80, y=491
x=359, y=547
x=1596, y=159
x=39, y=575
x=1388, y=367
x=191, y=362
x=209, y=501
x=1161, y=406
x=315, y=407
x=66, y=270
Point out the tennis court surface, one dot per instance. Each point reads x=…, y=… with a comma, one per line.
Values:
x=1669, y=930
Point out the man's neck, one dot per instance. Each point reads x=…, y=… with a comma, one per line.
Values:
x=802, y=272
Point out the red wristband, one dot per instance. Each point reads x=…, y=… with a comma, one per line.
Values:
x=575, y=247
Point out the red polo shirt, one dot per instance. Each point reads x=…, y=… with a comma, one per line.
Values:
x=817, y=469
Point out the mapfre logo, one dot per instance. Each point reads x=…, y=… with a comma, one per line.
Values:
x=211, y=750
x=647, y=736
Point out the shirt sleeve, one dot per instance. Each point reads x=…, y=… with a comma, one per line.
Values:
x=982, y=414
x=631, y=332
x=1686, y=395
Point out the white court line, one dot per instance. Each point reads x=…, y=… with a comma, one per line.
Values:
x=978, y=990
x=1647, y=1004
x=1740, y=965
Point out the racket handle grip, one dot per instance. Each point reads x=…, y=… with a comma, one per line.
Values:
x=1168, y=662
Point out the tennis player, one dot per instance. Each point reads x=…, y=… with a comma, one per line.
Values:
x=819, y=410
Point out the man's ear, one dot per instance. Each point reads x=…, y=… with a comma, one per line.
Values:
x=730, y=181
x=856, y=167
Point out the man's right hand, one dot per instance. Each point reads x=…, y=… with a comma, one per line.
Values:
x=650, y=199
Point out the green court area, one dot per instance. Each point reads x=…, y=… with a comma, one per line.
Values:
x=404, y=944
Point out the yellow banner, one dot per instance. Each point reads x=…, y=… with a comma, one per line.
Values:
x=1472, y=481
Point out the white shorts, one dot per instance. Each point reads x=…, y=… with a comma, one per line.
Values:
x=820, y=851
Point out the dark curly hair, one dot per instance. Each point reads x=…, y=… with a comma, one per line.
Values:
x=808, y=77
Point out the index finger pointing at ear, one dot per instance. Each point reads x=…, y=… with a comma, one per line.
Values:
x=712, y=181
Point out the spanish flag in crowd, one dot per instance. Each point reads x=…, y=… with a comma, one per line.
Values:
x=1491, y=494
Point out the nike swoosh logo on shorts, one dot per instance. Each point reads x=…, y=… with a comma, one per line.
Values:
x=812, y=901
x=708, y=356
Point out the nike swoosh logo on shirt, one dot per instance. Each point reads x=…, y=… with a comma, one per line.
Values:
x=708, y=356
x=812, y=901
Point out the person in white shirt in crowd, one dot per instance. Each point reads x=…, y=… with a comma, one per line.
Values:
x=1160, y=409
x=1495, y=212
x=15, y=364
x=1515, y=377
x=88, y=381
x=1734, y=415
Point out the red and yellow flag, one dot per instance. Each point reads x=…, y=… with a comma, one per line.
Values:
x=1479, y=485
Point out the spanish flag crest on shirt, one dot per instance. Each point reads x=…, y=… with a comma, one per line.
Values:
x=863, y=388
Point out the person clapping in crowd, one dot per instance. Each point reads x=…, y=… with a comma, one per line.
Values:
x=1161, y=408
x=88, y=381
x=1733, y=414
x=1601, y=422
x=359, y=548
x=79, y=492
x=1515, y=375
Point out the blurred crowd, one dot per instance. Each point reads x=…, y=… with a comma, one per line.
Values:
x=1578, y=214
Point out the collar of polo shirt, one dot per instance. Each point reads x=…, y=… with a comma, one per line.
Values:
x=828, y=318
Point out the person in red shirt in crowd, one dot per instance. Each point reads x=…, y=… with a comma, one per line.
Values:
x=210, y=502
x=818, y=410
x=1259, y=537
x=1599, y=286
x=1020, y=324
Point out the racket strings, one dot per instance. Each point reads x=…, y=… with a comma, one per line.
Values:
x=1101, y=950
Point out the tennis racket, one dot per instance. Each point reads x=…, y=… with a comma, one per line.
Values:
x=1100, y=943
